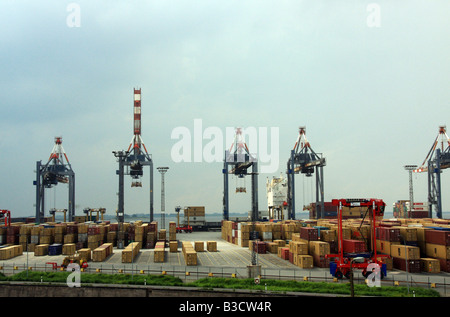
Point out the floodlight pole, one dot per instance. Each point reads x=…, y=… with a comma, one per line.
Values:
x=163, y=170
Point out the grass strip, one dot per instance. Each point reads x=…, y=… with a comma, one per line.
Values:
x=229, y=283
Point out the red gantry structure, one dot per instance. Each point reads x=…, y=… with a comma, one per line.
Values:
x=366, y=260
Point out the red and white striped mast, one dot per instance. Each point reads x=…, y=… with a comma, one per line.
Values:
x=136, y=141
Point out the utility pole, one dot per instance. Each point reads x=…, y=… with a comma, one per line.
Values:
x=410, y=169
x=163, y=170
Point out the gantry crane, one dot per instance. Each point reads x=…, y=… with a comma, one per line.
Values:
x=437, y=159
x=240, y=159
x=53, y=212
x=134, y=158
x=7, y=215
x=56, y=170
x=304, y=160
x=344, y=262
x=100, y=212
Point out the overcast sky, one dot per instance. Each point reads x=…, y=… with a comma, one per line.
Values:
x=369, y=80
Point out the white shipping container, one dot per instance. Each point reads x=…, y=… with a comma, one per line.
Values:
x=267, y=235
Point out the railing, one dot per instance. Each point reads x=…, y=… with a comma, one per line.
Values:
x=190, y=273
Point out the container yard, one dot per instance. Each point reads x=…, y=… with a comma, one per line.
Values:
x=339, y=237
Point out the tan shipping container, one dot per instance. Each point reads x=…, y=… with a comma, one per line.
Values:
x=385, y=246
x=173, y=246
x=211, y=246
x=320, y=248
x=298, y=247
x=304, y=261
x=85, y=254
x=437, y=251
x=405, y=252
x=69, y=249
x=41, y=249
x=430, y=265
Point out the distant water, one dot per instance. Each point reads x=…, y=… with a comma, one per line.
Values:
x=219, y=217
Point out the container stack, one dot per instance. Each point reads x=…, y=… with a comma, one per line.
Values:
x=94, y=237
x=438, y=247
x=9, y=252
x=102, y=252
x=140, y=233
x=82, y=229
x=172, y=231
x=152, y=235
x=162, y=235
x=60, y=231
x=130, y=252
x=2, y=235
x=190, y=255
x=71, y=234
x=298, y=252
x=194, y=215
x=24, y=235
x=12, y=234
x=405, y=257
x=159, y=252
x=259, y=247
x=47, y=235
x=34, y=238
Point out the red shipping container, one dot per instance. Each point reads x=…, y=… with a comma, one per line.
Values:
x=413, y=265
x=309, y=233
x=445, y=265
x=388, y=234
x=152, y=227
x=93, y=230
x=437, y=237
x=285, y=253
x=259, y=247
x=72, y=229
x=354, y=246
x=419, y=214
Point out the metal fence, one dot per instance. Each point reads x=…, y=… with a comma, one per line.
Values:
x=191, y=273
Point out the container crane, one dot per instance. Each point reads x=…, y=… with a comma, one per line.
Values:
x=240, y=160
x=304, y=160
x=134, y=158
x=56, y=170
x=437, y=159
x=344, y=261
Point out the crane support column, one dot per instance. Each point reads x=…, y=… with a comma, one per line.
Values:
x=56, y=170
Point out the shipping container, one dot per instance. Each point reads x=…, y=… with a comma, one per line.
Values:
x=402, y=264
x=430, y=265
x=354, y=246
x=390, y=234
x=309, y=233
x=55, y=249
x=437, y=237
